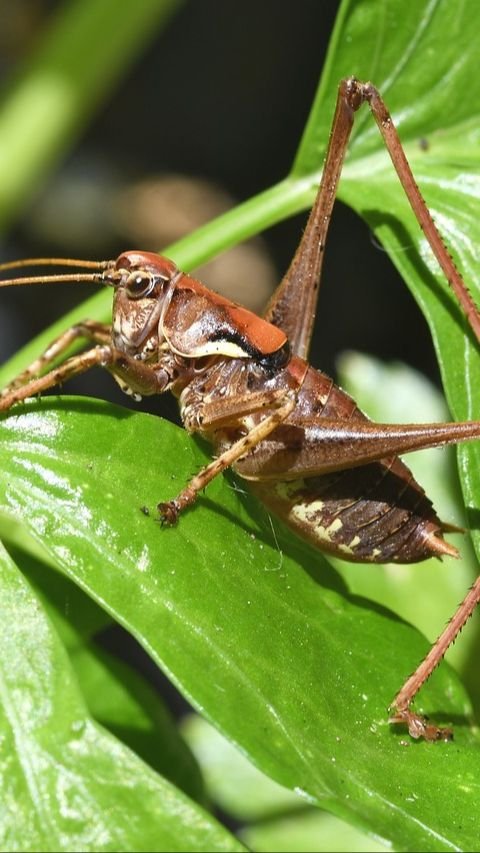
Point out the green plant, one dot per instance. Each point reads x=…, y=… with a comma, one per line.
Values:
x=257, y=630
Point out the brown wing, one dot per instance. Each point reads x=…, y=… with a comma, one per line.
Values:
x=373, y=513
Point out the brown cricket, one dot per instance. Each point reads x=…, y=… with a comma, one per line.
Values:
x=244, y=383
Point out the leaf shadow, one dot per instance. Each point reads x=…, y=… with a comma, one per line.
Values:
x=276, y=534
x=473, y=517
x=280, y=538
x=439, y=718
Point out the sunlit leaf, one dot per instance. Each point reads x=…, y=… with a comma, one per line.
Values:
x=252, y=627
x=66, y=783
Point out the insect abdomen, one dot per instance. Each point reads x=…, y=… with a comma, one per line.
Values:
x=376, y=513
x=372, y=513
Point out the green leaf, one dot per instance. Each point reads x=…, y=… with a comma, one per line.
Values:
x=234, y=784
x=124, y=703
x=278, y=819
x=252, y=629
x=309, y=832
x=65, y=783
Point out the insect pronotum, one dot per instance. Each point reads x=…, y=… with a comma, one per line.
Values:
x=244, y=383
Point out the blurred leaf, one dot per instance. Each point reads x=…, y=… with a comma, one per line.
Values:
x=84, y=50
x=309, y=832
x=233, y=782
x=65, y=783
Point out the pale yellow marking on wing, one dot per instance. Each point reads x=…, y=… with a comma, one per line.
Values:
x=336, y=524
x=307, y=514
x=345, y=549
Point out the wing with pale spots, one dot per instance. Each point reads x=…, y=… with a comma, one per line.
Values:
x=377, y=513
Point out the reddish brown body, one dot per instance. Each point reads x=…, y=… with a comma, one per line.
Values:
x=230, y=369
x=244, y=383
x=375, y=513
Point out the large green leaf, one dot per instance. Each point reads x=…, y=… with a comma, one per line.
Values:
x=57, y=90
x=386, y=392
x=255, y=628
x=66, y=784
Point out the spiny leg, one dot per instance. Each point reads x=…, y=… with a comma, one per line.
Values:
x=293, y=304
x=100, y=355
x=293, y=307
x=367, y=92
x=96, y=332
x=418, y=726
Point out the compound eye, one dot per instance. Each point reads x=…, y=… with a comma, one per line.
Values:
x=139, y=284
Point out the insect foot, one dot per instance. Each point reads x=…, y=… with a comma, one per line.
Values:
x=418, y=726
x=168, y=512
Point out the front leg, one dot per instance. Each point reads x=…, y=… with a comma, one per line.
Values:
x=98, y=333
x=137, y=376
x=223, y=397
x=100, y=355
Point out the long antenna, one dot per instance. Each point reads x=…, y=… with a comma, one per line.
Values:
x=54, y=262
x=47, y=279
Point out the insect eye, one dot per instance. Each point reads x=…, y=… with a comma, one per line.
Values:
x=139, y=284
